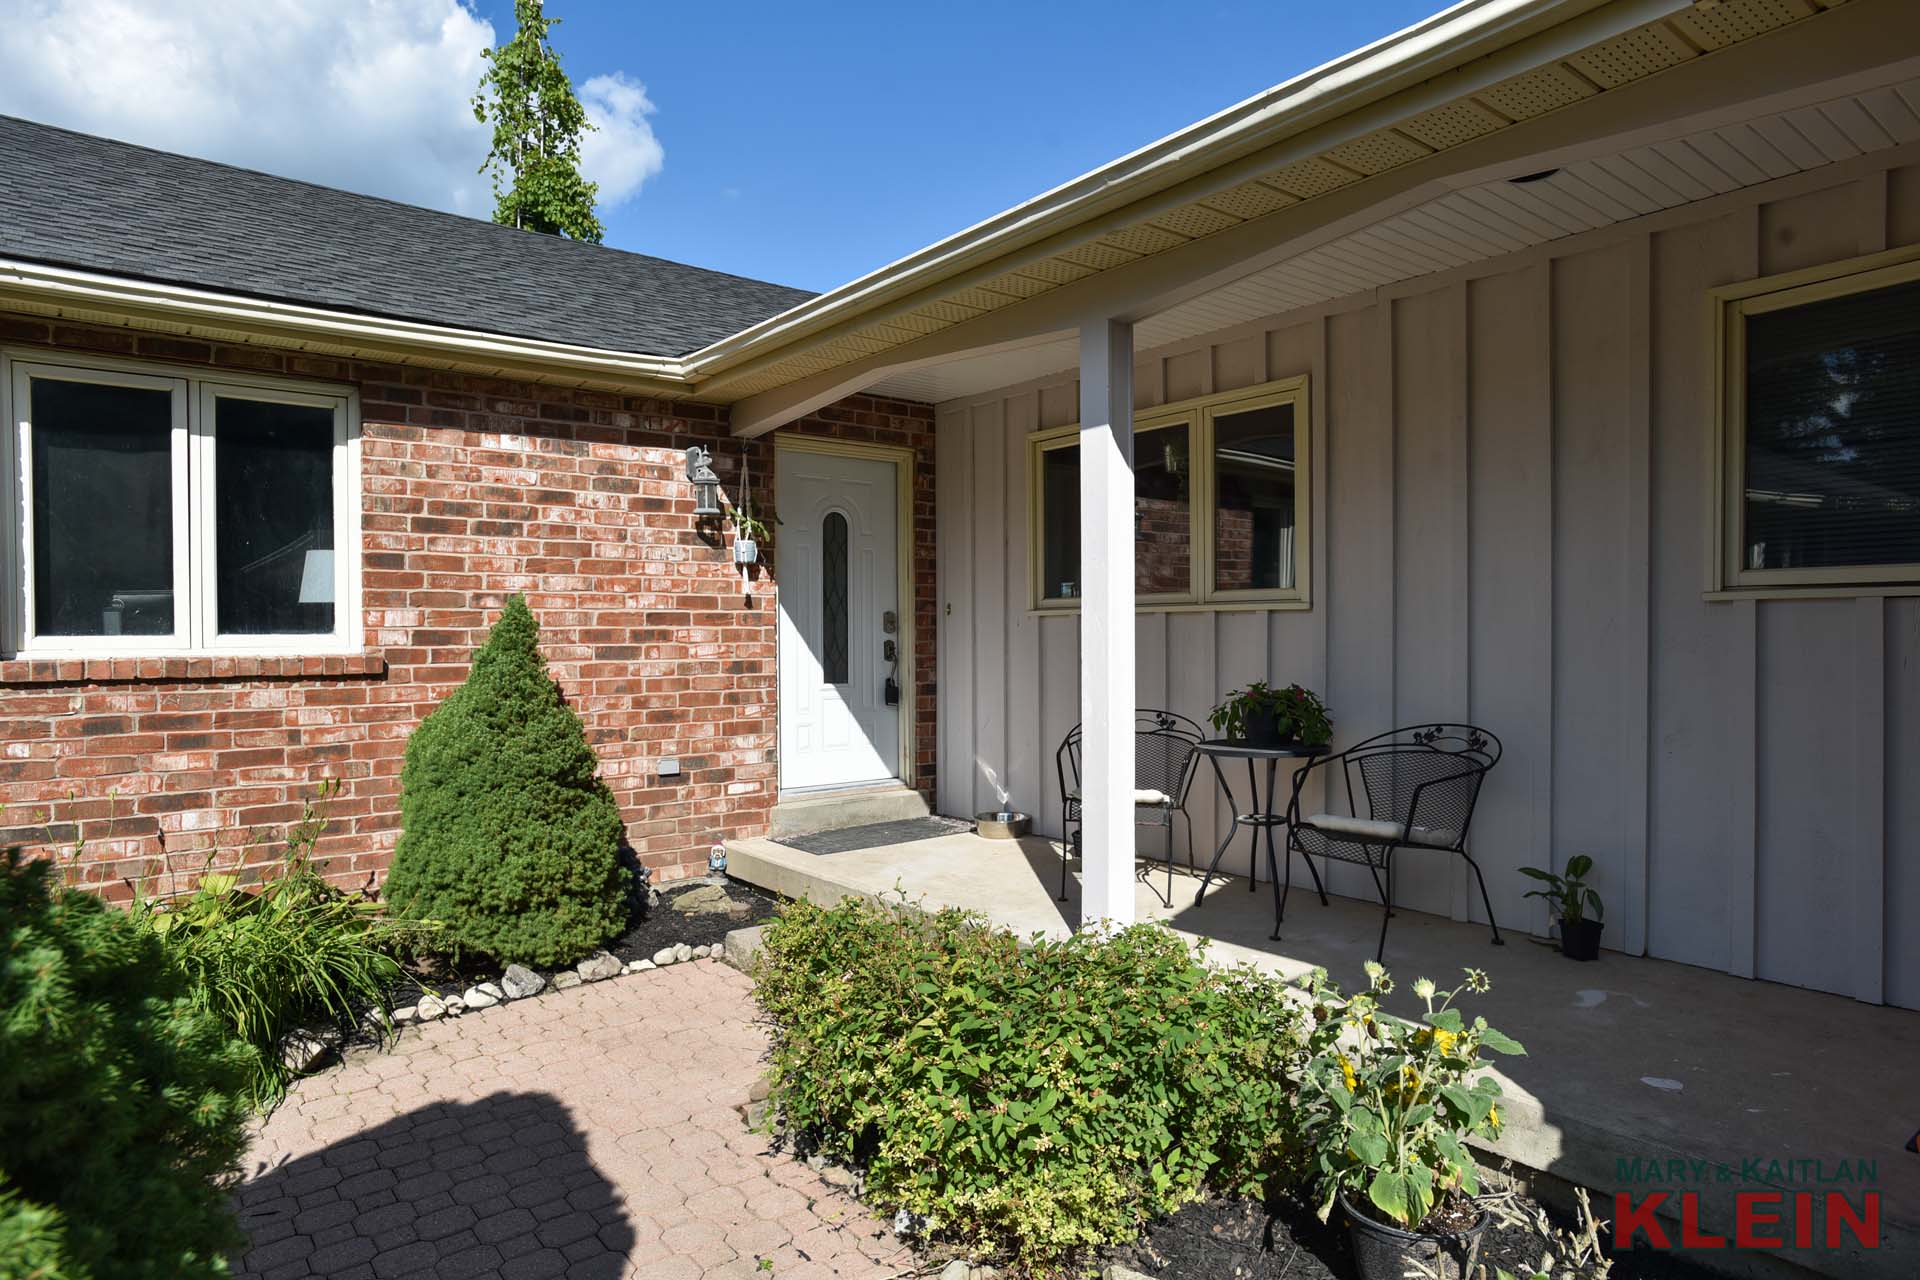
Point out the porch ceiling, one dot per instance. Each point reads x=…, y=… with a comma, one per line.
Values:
x=1492, y=218
x=1326, y=136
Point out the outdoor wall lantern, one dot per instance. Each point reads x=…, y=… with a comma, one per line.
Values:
x=706, y=485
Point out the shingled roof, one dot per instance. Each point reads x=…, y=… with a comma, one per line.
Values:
x=74, y=200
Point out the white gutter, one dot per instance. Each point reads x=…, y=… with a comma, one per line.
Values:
x=1432, y=47
x=58, y=286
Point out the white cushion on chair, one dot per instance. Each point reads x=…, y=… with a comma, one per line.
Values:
x=1141, y=799
x=1383, y=832
x=1364, y=828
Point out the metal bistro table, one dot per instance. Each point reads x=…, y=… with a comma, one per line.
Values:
x=1262, y=817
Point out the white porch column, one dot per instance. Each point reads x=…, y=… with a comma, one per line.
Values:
x=1106, y=620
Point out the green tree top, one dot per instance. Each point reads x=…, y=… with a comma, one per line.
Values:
x=537, y=123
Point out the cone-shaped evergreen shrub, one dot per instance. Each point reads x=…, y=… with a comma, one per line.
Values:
x=121, y=1107
x=508, y=837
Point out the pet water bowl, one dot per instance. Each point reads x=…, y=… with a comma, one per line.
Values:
x=1004, y=825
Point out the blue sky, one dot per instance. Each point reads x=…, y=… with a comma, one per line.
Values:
x=809, y=144
x=803, y=143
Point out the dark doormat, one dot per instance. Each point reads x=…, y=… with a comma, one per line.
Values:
x=873, y=835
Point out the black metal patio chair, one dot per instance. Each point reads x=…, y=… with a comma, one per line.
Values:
x=1163, y=769
x=1419, y=786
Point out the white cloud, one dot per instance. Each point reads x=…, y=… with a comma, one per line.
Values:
x=370, y=95
x=621, y=152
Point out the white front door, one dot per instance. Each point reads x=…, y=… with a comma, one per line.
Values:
x=838, y=566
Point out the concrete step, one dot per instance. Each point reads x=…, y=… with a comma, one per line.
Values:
x=804, y=813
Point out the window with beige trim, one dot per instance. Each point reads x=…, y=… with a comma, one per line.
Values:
x=1820, y=428
x=1220, y=503
x=157, y=511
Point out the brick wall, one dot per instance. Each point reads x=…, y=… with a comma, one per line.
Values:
x=473, y=488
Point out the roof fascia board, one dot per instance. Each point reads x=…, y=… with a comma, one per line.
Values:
x=1451, y=54
x=41, y=286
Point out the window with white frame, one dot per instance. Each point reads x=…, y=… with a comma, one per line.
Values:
x=160, y=512
x=1220, y=503
x=1820, y=429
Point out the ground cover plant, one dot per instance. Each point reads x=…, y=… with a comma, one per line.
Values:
x=284, y=951
x=509, y=841
x=1029, y=1100
x=122, y=1101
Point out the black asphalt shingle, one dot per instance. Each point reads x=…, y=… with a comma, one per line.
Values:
x=73, y=200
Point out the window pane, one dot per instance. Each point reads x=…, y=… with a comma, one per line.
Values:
x=102, y=509
x=1253, y=499
x=1833, y=433
x=833, y=598
x=1060, y=523
x=1162, y=512
x=273, y=518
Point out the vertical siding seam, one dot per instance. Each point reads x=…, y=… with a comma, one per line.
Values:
x=1637, y=775
x=1743, y=854
x=1461, y=487
x=1544, y=814
x=1870, y=813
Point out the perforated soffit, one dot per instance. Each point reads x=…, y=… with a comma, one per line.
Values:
x=1706, y=28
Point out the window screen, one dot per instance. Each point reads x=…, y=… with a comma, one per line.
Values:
x=1832, y=457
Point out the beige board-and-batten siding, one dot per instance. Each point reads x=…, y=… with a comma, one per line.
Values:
x=1513, y=466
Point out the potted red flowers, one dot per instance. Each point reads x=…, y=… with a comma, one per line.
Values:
x=1262, y=716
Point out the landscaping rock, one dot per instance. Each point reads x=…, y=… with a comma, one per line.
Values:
x=640, y=966
x=406, y=1014
x=596, y=968
x=564, y=979
x=702, y=951
x=478, y=997
x=742, y=947
x=666, y=955
x=1114, y=1271
x=838, y=1175
x=761, y=1091
x=303, y=1050
x=430, y=1009
x=708, y=900
x=682, y=953
x=455, y=1006
x=958, y=1269
x=519, y=982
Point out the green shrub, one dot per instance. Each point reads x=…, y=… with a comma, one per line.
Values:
x=508, y=839
x=283, y=953
x=1031, y=1100
x=122, y=1105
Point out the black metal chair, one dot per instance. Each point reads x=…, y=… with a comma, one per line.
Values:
x=1419, y=784
x=1163, y=761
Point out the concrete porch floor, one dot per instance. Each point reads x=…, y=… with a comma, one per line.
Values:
x=1628, y=1058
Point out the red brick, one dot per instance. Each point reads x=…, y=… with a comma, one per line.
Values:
x=473, y=488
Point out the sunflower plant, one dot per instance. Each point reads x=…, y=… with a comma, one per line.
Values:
x=1388, y=1105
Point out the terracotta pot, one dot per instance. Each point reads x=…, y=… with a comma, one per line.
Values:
x=1385, y=1252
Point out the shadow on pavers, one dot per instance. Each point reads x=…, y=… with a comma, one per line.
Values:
x=451, y=1189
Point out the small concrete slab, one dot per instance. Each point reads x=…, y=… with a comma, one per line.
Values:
x=742, y=947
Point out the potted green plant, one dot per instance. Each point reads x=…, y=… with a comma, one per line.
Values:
x=749, y=531
x=1262, y=716
x=1387, y=1108
x=1576, y=905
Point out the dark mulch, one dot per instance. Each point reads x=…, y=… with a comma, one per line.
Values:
x=1228, y=1238
x=660, y=925
x=655, y=924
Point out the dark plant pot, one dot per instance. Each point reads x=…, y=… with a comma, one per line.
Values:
x=1580, y=939
x=1383, y=1252
x=1263, y=729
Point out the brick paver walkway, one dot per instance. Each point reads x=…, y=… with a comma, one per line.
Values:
x=590, y=1134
